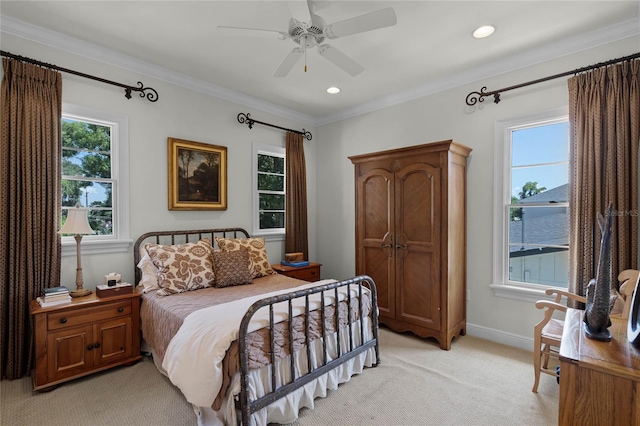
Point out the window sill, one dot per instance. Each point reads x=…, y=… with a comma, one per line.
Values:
x=96, y=246
x=270, y=237
x=522, y=294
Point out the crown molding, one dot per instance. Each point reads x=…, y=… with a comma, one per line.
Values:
x=94, y=52
x=623, y=30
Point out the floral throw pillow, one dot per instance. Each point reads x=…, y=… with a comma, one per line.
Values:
x=232, y=268
x=259, y=265
x=182, y=267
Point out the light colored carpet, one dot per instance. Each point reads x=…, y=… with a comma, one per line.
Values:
x=475, y=383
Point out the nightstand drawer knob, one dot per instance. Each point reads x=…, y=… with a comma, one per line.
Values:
x=63, y=320
x=120, y=309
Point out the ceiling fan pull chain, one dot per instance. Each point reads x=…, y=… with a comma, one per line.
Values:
x=305, y=53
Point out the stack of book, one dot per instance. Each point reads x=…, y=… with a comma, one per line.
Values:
x=54, y=296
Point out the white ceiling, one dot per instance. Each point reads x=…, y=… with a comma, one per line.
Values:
x=429, y=49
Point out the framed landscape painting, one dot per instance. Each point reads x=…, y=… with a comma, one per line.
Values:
x=197, y=175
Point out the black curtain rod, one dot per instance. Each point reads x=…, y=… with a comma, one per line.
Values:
x=152, y=95
x=246, y=118
x=474, y=97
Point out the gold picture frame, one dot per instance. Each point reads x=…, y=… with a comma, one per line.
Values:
x=197, y=175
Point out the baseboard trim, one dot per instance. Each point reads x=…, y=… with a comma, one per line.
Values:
x=499, y=336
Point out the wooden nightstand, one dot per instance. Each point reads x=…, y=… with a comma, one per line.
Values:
x=306, y=273
x=87, y=335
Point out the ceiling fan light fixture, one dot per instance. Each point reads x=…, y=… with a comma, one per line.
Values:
x=333, y=90
x=484, y=31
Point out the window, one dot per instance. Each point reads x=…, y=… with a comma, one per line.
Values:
x=269, y=190
x=95, y=175
x=531, y=242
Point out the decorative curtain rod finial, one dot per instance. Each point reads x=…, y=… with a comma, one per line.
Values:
x=306, y=135
x=246, y=118
x=152, y=96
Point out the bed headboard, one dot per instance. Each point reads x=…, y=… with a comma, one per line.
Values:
x=181, y=237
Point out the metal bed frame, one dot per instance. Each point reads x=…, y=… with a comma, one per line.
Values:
x=243, y=402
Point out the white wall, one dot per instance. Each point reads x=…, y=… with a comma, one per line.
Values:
x=437, y=117
x=179, y=113
x=194, y=116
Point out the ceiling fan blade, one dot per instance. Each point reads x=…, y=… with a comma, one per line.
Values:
x=359, y=24
x=288, y=63
x=251, y=32
x=340, y=59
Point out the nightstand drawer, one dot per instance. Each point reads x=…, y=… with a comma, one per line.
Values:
x=312, y=274
x=72, y=318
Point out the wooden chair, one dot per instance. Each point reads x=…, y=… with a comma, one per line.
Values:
x=629, y=281
x=548, y=332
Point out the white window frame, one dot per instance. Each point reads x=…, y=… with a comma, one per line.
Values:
x=502, y=286
x=120, y=241
x=277, y=234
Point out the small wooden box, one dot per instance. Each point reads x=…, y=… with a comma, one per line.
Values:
x=117, y=290
x=293, y=257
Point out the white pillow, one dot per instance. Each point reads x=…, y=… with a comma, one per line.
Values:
x=149, y=279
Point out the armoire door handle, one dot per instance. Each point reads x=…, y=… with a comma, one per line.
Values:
x=386, y=245
x=404, y=247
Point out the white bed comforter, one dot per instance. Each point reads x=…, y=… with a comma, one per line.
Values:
x=193, y=360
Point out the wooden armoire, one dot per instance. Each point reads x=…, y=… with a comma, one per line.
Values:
x=411, y=236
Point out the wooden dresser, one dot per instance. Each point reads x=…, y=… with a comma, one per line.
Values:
x=88, y=334
x=410, y=236
x=599, y=381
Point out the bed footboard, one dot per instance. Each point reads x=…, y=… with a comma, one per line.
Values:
x=354, y=305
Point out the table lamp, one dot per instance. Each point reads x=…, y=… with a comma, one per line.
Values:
x=77, y=223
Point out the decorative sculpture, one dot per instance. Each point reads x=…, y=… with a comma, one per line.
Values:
x=596, y=316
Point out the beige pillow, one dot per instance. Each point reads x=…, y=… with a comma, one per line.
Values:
x=182, y=267
x=232, y=268
x=259, y=265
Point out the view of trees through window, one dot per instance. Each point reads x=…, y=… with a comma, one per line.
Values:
x=86, y=172
x=271, y=191
x=537, y=213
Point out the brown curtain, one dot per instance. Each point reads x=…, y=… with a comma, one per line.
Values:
x=296, y=237
x=604, y=115
x=30, y=159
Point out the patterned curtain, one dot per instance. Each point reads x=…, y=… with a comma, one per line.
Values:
x=604, y=108
x=30, y=159
x=296, y=237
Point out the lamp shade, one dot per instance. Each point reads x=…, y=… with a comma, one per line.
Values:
x=77, y=222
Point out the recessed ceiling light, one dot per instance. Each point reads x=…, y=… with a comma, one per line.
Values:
x=333, y=90
x=484, y=31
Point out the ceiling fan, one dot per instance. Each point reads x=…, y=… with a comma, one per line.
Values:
x=312, y=31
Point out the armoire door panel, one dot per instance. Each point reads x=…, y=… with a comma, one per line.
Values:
x=377, y=204
x=374, y=234
x=379, y=266
x=417, y=197
x=417, y=201
x=418, y=295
